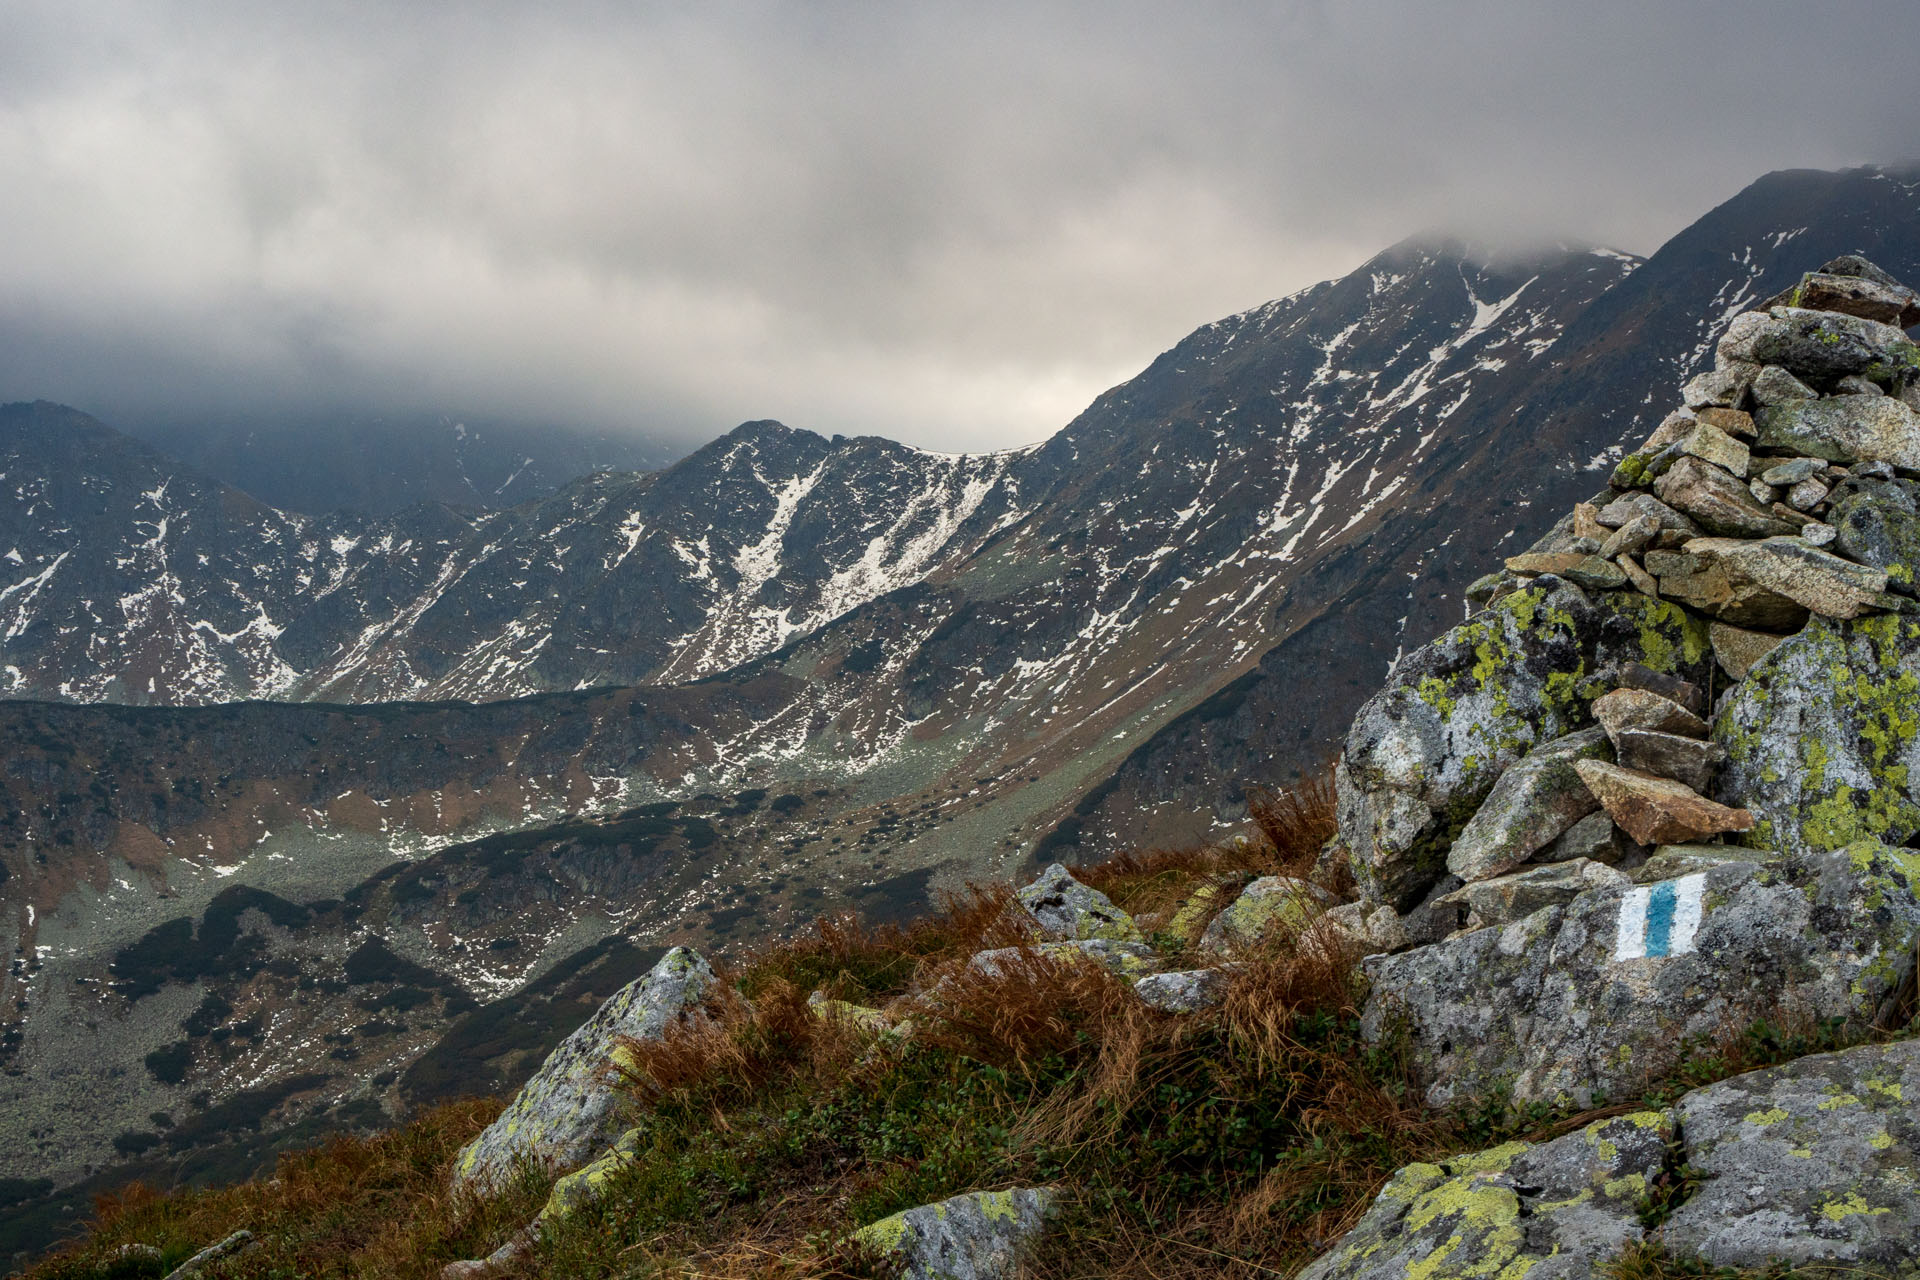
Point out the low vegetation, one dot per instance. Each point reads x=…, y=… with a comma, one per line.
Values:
x=1233, y=1143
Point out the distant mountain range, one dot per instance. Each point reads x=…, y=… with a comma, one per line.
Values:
x=783, y=675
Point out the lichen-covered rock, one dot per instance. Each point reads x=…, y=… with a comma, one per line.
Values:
x=1128, y=960
x=1815, y=1161
x=1353, y=930
x=1553, y=1211
x=1191, y=917
x=1875, y=522
x=1845, y=429
x=864, y=1017
x=1594, y=998
x=1424, y=752
x=567, y=1109
x=1536, y=799
x=1267, y=907
x=978, y=1236
x=1066, y=910
x=1821, y=346
x=1823, y=738
x=1875, y=296
x=1709, y=587
x=1183, y=991
x=1671, y=861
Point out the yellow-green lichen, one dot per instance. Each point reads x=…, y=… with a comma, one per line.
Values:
x=1771, y=1116
x=1848, y=1206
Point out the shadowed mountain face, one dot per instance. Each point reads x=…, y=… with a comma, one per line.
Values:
x=786, y=675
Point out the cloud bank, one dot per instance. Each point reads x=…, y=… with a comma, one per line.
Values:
x=948, y=223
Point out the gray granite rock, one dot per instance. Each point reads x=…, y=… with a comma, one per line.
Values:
x=1790, y=567
x=1268, y=907
x=1793, y=471
x=1774, y=385
x=1618, y=513
x=1063, y=909
x=1128, y=960
x=1623, y=709
x=1589, y=1000
x=1184, y=990
x=1717, y=500
x=1504, y=899
x=1820, y=345
x=1554, y=1211
x=1536, y=799
x=1594, y=837
x=1424, y=752
x=569, y=1108
x=1879, y=530
x=1845, y=429
x=1816, y=1161
x=977, y=1236
x=1691, y=761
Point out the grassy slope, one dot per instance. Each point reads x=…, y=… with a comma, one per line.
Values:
x=1232, y=1143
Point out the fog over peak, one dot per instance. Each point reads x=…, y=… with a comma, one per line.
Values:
x=948, y=224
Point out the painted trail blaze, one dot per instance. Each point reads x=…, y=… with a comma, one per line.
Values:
x=1659, y=920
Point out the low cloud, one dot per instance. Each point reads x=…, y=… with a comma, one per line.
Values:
x=950, y=224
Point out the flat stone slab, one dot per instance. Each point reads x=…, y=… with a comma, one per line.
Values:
x=1672, y=861
x=1548, y=1212
x=1815, y=1161
x=1507, y=898
x=1717, y=501
x=1845, y=429
x=1818, y=345
x=1738, y=650
x=1624, y=709
x=1691, y=762
x=1658, y=810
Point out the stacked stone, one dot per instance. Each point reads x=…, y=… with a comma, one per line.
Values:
x=1785, y=487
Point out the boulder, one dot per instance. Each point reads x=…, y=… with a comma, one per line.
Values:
x=1536, y=799
x=1066, y=910
x=1356, y=930
x=1553, y=1211
x=1594, y=999
x=1624, y=709
x=1184, y=990
x=1268, y=906
x=1821, y=345
x=1425, y=751
x=1737, y=649
x=1709, y=587
x=1642, y=581
x=1812, y=1162
x=1774, y=385
x=1658, y=810
x=1128, y=960
x=1823, y=738
x=977, y=1236
x=1192, y=916
x=1878, y=530
x=1886, y=301
x=1715, y=499
x=1794, y=569
x=568, y=1109
x=1504, y=899
x=1845, y=429
x=1689, y=761
x=1793, y=471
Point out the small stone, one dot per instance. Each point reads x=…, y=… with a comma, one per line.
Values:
x=1775, y=385
x=1484, y=590
x=1670, y=755
x=1507, y=898
x=1586, y=522
x=1638, y=675
x=1535, y=799
x=1814, y=579
x=1875, y=524
x=1596, y=574
x=1793, y=471
x=1710, y=589
x=1737, y=649
x=1723, y=386
x=1534, y=563
x=1673, y=427
x=1730, y=423
x=1642, y=581
x=1818, y=534
x=1622, y=511
x=1799, y=519
x=1630, y=538
x=1845, y=429
x=1719, y=502
x=1628, y=709
x=1806, y=495
x=1594, y=837
x=1763, y=493
x=1871, y=470
x=1855, y=385
x=1658, y=810
x=1184, y=990
x=1583, y=546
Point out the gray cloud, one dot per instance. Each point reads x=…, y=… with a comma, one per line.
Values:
x=952, y=224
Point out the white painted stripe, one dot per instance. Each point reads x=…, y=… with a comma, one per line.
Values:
x=1630, y=935
x=1689, y=890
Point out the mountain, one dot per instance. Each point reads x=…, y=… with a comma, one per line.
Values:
x=788, y=674
x=380, y=466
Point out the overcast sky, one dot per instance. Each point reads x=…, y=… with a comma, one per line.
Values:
x=953, y=224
